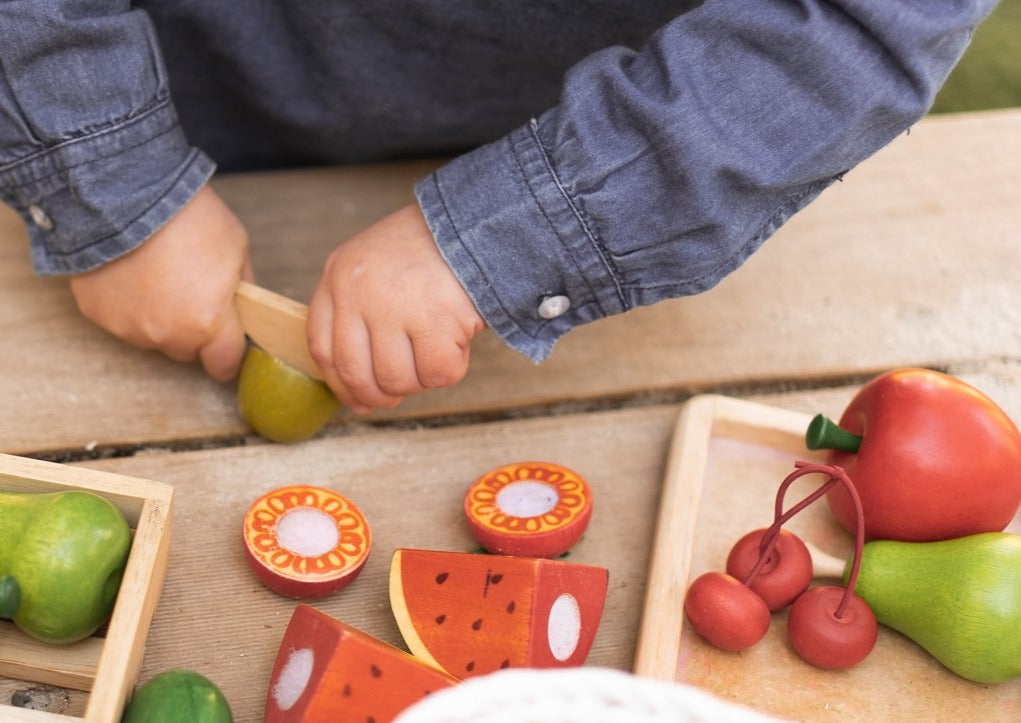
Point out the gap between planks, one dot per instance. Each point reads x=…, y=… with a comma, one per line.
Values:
x=659, y=397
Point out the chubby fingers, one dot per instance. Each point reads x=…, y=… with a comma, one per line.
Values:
x=342, y=349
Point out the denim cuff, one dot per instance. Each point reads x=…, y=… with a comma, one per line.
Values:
x=94, y=198
x=519, y=243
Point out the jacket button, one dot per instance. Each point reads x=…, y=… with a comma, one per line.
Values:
x=553, y=306
x=39, y=218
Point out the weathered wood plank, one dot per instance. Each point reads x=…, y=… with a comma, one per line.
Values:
x=911, y=260
x=215, y=617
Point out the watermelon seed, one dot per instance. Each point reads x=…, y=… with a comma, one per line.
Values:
x=442, y=578
x=496, y=578
x=505, y=663
x=376, y=672
x=440, y=619
x=347, y=690
x=477, y=624
x=511, y=606
x=470, y=667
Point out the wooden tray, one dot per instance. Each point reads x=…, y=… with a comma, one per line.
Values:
x=726, y=461
x=106, y=666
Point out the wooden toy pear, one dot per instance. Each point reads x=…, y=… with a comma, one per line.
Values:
x=960, y=599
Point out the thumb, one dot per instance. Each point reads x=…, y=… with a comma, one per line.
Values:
x=221, y=355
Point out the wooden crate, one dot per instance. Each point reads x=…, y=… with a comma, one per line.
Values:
x=108, y=666
x=726, y=459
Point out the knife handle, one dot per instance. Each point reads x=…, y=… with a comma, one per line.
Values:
x=277, y=325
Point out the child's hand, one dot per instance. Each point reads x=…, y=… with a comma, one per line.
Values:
x=389, y=318
x=175, y=292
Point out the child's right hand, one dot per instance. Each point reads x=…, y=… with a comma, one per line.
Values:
x=175, y=292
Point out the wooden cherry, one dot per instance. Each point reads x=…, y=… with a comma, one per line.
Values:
x=773, y=562
x=829, y=626
x=726, y=612
x=824, y=638
x=785, y=573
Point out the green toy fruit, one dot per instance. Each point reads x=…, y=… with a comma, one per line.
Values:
x=178, y=696
x=959, y=599
x=280, y=402
x=62, y=555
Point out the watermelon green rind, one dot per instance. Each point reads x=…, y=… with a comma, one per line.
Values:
x=178, y=696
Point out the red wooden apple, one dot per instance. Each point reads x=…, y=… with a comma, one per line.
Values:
x=932, y=458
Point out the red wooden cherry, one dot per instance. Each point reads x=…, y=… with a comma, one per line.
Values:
x=825, y=638
x=725, y=612
x=785, y=574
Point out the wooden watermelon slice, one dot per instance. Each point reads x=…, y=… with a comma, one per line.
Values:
x=329, y=672
x=472, y=614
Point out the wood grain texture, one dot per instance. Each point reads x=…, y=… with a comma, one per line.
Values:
x=215, y=617
x=910, y=260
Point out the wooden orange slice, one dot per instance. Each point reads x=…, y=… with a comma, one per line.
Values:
x=532, y=509
x=305, y=542
x=472, y=614
x=327, y=671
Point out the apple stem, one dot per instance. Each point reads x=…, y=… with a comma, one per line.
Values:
x=824, y=433
x=10, y=596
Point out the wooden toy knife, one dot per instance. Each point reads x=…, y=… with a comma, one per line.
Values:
x=277, y=325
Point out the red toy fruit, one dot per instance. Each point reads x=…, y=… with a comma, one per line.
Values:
x=932, y=458
x=471, y=614
x=533, y=509
x=785, y=574
x=826, y=639
x=327, y=671
x=828, y=626
x=305, y=542
x=726, y=612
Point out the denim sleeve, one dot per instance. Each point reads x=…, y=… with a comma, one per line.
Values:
x=661, y=171
x=91, y=153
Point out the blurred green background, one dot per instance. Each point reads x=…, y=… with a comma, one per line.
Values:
x=989, y=74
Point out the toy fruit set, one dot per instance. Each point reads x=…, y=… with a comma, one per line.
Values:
x=82, y=560
x=925, y=471
x=461, y=614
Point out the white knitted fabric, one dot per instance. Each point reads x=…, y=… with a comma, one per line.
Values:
x=574, y=695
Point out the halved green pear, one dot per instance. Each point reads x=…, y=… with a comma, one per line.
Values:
x=279, y=402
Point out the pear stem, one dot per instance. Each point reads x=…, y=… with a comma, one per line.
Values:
x=824, y=433
x=10, y=596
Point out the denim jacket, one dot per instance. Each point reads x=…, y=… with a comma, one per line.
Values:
x=609, y=153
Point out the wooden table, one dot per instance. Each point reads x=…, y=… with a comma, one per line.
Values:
x=911, y=260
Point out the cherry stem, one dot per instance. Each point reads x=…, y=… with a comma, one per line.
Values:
x=835, y=475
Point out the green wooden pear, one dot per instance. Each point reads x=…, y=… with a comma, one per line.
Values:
x=960, y=599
